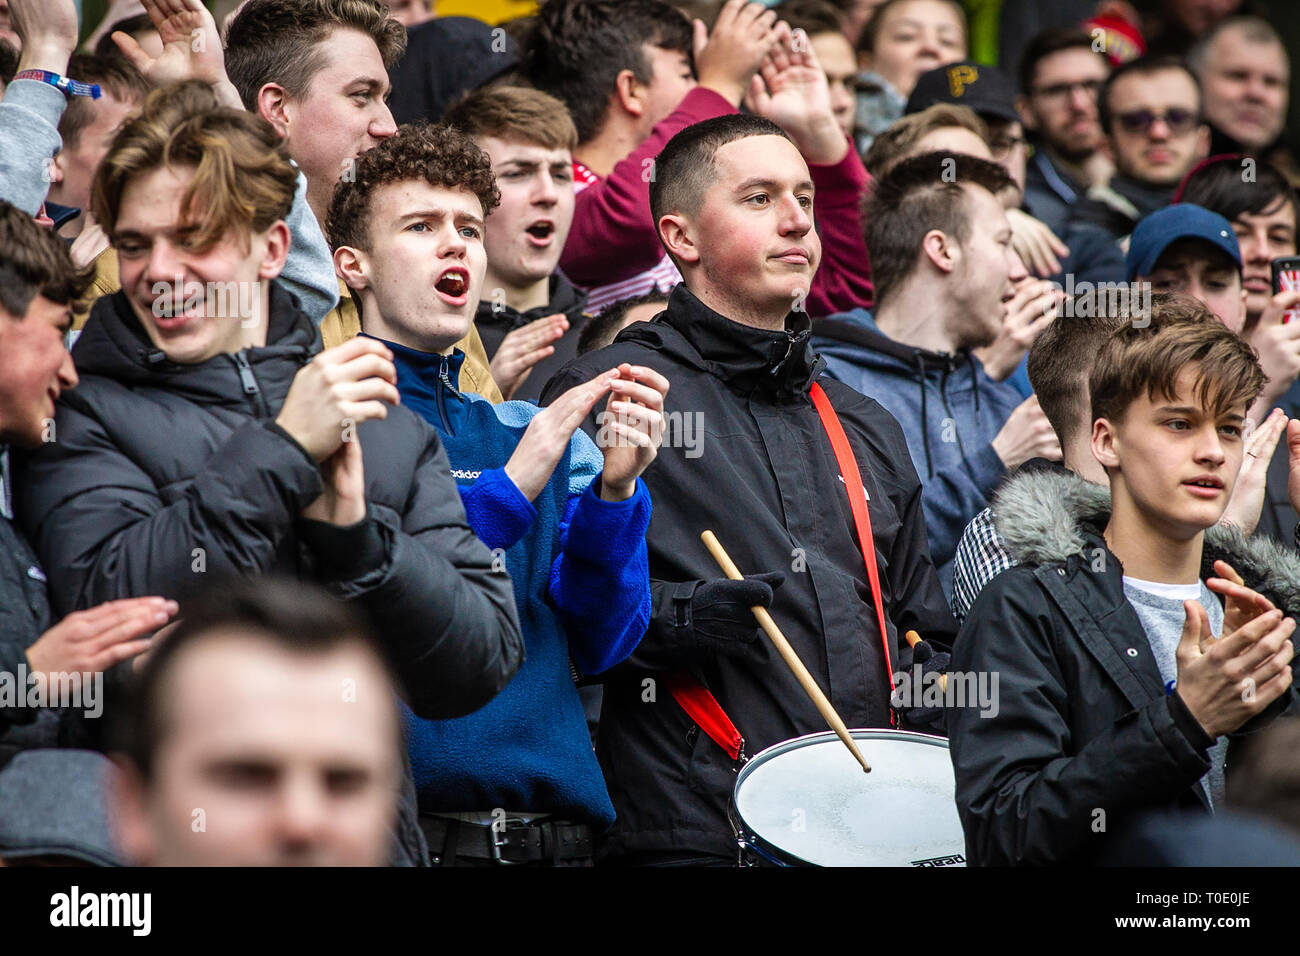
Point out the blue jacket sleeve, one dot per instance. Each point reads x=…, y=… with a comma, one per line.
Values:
x=497, y=510
x=600, y=581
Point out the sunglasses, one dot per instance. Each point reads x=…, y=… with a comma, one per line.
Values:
x=1179, y=121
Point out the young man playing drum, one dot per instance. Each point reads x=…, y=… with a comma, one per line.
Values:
x=747, y=456
x=1116, y=696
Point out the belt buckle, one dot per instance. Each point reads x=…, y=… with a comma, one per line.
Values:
x=497, y=839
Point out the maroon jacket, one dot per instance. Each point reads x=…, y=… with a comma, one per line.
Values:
x=614, y=242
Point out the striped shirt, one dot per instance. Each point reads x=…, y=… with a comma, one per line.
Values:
x=663, y=276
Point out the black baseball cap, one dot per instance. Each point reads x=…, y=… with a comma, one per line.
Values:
x=985, y=89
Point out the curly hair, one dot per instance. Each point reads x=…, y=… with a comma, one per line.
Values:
x=438, y=155
x=243, y=178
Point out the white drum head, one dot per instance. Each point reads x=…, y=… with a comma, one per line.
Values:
x=810, y=799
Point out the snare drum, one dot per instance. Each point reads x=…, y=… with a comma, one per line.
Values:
x=807, y=802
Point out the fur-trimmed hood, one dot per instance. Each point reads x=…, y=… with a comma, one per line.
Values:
x=1047, y=517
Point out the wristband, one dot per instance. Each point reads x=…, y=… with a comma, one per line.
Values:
x=68, y=86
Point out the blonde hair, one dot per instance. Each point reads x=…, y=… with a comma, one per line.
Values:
x=243, y=178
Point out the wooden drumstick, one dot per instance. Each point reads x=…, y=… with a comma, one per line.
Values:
x=913, y=639
x=787, y=652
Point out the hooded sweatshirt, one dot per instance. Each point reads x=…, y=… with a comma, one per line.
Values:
x=950, y=411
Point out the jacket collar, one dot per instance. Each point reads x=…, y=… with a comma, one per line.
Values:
x=843, y=328
x=1051, y=516
x=562, y=297
x=778, y=365
x=114, y=345
x=1146, y=199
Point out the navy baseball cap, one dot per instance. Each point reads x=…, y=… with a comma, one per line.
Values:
x=1160, y=230
x=985, y=89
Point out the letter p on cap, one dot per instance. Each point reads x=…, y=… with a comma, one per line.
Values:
x=960, y=77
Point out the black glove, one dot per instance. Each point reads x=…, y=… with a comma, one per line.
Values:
x=720, y=617
x=929, y=720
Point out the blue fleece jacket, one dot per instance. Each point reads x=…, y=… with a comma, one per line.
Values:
x=582, y=586
x=950, y=411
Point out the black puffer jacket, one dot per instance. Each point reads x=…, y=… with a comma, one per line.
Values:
x=754, y=465
x=1085, y=738
x=162, y=476
x=24, y=613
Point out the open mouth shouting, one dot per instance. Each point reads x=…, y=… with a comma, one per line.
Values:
x=453, y=286
x=541, y=233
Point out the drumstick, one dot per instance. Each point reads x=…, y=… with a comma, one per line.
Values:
x=913, y=639
x=787, y=652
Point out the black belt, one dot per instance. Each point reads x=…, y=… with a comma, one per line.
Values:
x=506, y=841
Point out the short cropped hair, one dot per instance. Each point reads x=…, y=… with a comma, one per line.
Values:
x=1255, y=30
x=903, y=135
x=437, y=155
x=1145, y=359
x=1144, y=66
x=514, y=113
x=602, y=329
x=243, y=178
x=919, y=194
x=1061, y=358
x=34, y=261
x=871, y=32
x=1221, y=186
x=685, y=168
x=293, y=616
x=115, y=74
x=276, y=41
x=577, y=48
x=1049, y=42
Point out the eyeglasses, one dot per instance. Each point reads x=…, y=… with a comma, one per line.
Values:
x=1178, y=120
x=1001, y=146
x=1059, y=91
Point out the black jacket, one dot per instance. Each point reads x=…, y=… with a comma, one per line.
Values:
x=495, y=320
x=163, y=476
x=1085, y=738
x=24, y=613
x=1118, y=208
x=760, y=473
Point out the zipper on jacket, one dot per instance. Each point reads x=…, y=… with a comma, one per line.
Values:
x=249, y=381
x=444, y=377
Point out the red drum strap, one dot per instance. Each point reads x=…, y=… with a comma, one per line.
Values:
x=704, y=709
x=861, y=518
x=694, y=697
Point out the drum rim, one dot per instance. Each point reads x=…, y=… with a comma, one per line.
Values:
x=795, y=743
x=750, y=839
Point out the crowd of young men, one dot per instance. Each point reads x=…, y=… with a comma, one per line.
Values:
x=366, y=507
